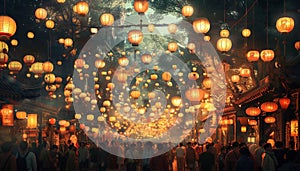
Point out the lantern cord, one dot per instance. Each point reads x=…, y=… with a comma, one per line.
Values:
x=267, y=28
x=4, y=7
x=253, y=35
x=284, y=10
x=224, y=12
x=246, y=13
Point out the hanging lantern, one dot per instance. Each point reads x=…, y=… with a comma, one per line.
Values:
x=37, y=68
x=267, y=55
x=284, y=102
x=172, y=46
x=135, y=94
x=79, y=63
x=72, y=128
x=90, y=117
x=30, y=35
x=61, y=1
x=3, y=58
x=48, y=67
x=243, y=129
x=187, y=10
x=14, y=67
x=172, y=28
x=32, y=121
x=49, y=78
x=191, y=46
x=201, y=25
x=206, y=82
x=294, y=127
x=253, y=111
x=40, y=13
x=224, y=44
x=141, y=6
x=122, y=77
x=99, y=63
x=235, y=78
x=297, y=45
x=245, y=72
x=146, y=58
x=270, y=119
x=52, y=121
x=176, y=101
x=82, y=8
x=61, y=40
x=224, y=33
x=153, y=76
x=68, y=42
x=269, y=107
x=252, y=122
x=193, y=76
x=107, y=19
x=8, y=27
x=7, y=117
x=3, y=47
x=21, y=115
x=252, y=55
x=246, y=32
x=28, y=60
x=135, y=37
x=166, y=76
x=123, y=61
x=206, y=38
x=195, y=94
x=50, y=24
x=151, y=28
x=13, y=42
x=285, y=24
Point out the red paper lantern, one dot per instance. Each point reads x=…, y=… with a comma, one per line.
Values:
x=284, y=103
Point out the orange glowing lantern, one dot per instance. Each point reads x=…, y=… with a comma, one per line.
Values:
x=107, y=19
x=172, y=46
x=82, y=8
x=135, y=94
x=267, y=55
x=235, y=78
x=79, y=63
x=40, y=13
x=297, y=45
x=206, y=82
x=201, y=25
x=50, y=24
x=269, y=107
x=246, y=32
x=3, y=58
x=285, y=24
x=252, y=122
x=252, y=55
x=37, y=68
x=187, y=10
x=224, y=33
x=195, y=94
x=48, y=67
x=166, y=76
x=294, y=128
x=99, y=63
x=284, y=102
x=52, y=121
x=14, y=67
x=21, y=115
x=49, y=78
x=135, y=37
x=123, y=61
x=68, y=42
x=176, y=101
x=224, y=44
x=32, y=121
x=193, y=76
x=28, y=60
x=146, y=58
x=141, y=6
x=8, y=27
x=7, y=117
x=270, y=119
x=243, y=129
x=245, y=72
x=253, y=111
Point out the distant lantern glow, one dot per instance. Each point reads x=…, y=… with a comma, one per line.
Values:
x=30, y=35
x=252, y=55
x=297, y=45
x=245, y=72
x=50, y=24
x=32, y=121
x=172, y=46
x=82, y=8
x=21, y=114
x=252, y=122
x=253, y=111
x=285, y=24
x=61, y=1
x=40, y=13
x=8, y=27
x=68, y=42
x=235, y=78
x=224, y=33
x=151, y=28
x=267, y=55
x=270, y=119
x=195, y=94
x=224, y=44
x=172, y=28
x=135, y=37
x=201, y=25
x=14, y=42
x=187, y=10
x=107, y=19
x=141, y=6
x=246, y=32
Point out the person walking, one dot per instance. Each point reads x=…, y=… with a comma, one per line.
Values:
x=180, y=157
x=26, y=160
x=190, y=157
x=7, y=159
x=269, y=161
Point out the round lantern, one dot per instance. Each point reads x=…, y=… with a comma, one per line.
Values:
x=15, y=67
x=195, y=94
x=253, y=111
x=68, y=42
x=135, y=94
x=52, y=121
x=201, y=25
x=176, y=101
x=3, y=47
x=206, y=38
x=252, y=122
x=187, y=10
x=224, y=33
x=297, y=45
x=90, y=117
x=79, y=63
x=3, y=58
x=30, y=35
x=61, y=40
x=50, y=24
x=40, y=13
x=146, y=58
x=107, y=19
x=153, y=76
x=193, y=76
x=49, y=78
x=122, y=77
x=206, y=82
x=37, y=68
x=28, y=60
x=72, y=128
x=245, y=72
x=141, y=6
x=191, y=46
x=224, y=44
x=172, y=46
x=61, y=1
x=235, y=78
x=172, y=28
x=48, y=67
x=14, y=42
x=166, y=76
x=285, y=24
x=269, y=107
x=123, y=61
x=99, y=63
x=284, y=102
x=267, y=55
x=246, y=32
x=151, y=28
x=252, y=55
x=135, y=37
x=270, y=119
x=21, y=115
x=8, y=27
x=82, y=8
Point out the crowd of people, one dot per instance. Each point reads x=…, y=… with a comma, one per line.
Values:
x=21, y=156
